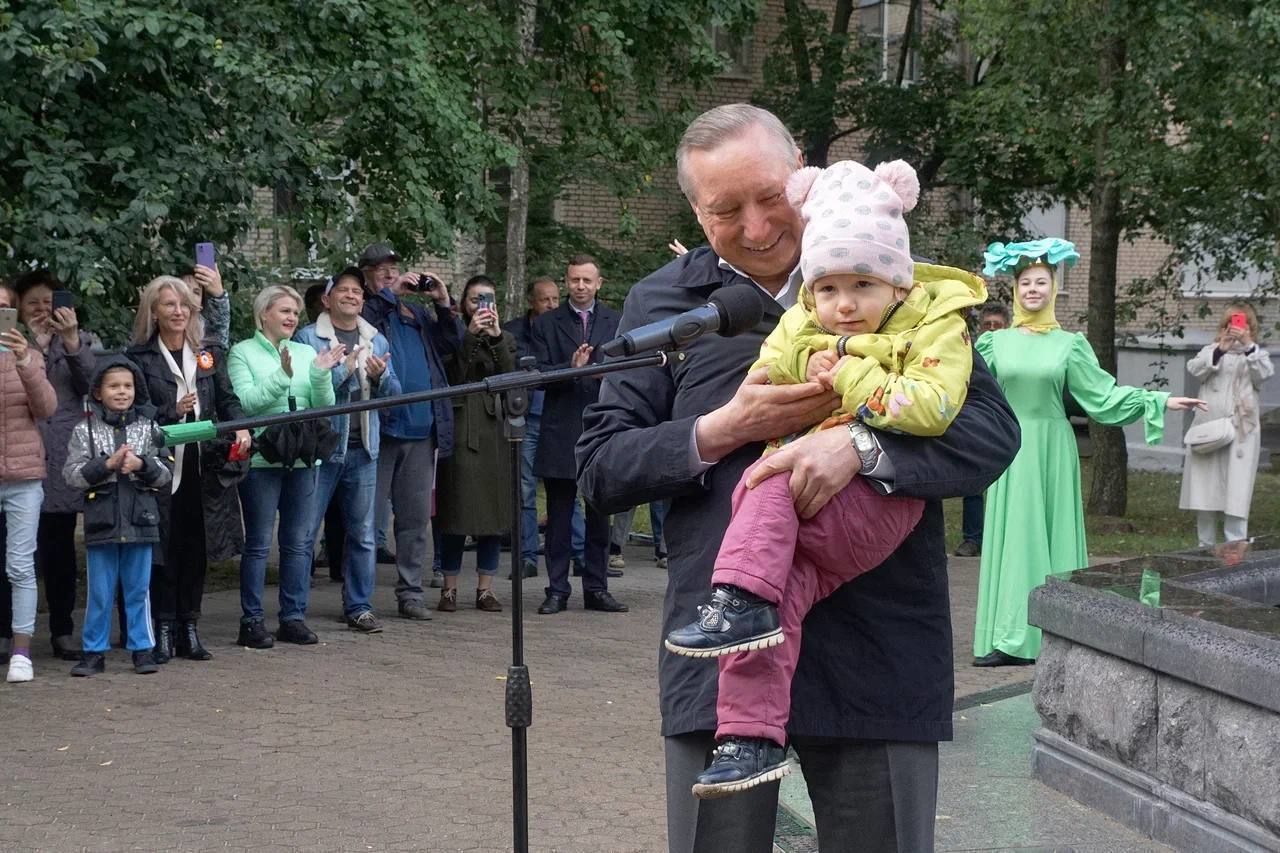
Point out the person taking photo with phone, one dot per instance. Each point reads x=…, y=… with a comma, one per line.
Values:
x=421, y=336
x=473, y=486
x=1218, y=474
x=26, y=397
x=47, y=308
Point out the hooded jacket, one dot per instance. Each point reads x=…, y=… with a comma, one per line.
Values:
x=911, y=376
x=118, y=509
x=25, y=397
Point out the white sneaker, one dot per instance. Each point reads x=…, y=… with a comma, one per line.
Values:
x=19, y=669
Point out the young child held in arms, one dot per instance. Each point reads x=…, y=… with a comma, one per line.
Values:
x=117, y=456
x=889, y=336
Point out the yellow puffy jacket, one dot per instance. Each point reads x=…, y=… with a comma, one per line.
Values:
x=912, y=375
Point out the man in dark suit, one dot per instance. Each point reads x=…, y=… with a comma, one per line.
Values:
x=872, y=694
x=570, y=336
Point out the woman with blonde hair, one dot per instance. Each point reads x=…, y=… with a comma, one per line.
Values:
x=200, y=513
x=271, y=374
x=1223, y=443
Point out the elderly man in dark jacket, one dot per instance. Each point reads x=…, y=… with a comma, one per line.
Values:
x=872, y=694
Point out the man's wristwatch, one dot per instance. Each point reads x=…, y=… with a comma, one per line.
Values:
x=865, y=445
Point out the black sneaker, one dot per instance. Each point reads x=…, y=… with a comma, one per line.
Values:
x=144, y=663
x=296, y=631
x=739, y=763
x=91, y=663
x=254, y=635
x=734, y=621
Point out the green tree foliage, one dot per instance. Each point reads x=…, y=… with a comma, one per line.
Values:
x=1154, y=116
x=130, y=129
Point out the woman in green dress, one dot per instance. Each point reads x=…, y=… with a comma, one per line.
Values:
x=1034, y=517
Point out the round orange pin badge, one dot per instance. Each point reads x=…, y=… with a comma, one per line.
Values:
x=205, y=359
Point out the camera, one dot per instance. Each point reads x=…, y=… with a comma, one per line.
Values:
x=425, y=284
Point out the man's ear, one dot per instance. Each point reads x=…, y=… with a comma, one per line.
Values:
x=324, y=300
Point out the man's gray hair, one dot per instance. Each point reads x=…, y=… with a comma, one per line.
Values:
x=720, y=124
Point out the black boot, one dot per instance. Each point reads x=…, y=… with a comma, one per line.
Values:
x=189, y=645
x=733, y=621
x=740, y=763
x=164, y=641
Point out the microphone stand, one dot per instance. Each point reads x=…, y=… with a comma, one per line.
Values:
x=510, y=390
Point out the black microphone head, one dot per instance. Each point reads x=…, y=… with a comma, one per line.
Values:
x=741, y=308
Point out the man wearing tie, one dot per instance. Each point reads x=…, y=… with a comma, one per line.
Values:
x=570, y=336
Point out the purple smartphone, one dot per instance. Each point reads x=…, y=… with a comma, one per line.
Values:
x=205, y=255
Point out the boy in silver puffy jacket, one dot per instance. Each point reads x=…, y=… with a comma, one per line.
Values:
x=117, y=456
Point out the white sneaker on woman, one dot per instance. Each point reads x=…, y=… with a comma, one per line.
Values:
x=19, y=669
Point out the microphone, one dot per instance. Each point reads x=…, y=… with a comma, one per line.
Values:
x=731, y=311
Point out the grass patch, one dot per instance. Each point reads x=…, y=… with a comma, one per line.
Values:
x=1153, y=523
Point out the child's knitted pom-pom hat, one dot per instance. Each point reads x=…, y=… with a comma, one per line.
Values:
x=853, y=220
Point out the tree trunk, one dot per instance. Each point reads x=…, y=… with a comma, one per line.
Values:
x=1110, y=456
x=518, y=201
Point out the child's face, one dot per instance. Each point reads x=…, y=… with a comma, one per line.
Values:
x=853, y=304
x=1035, y=287
x=116, y=391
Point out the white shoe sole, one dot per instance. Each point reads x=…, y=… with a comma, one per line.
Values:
x=767, y=641
x=712, y=792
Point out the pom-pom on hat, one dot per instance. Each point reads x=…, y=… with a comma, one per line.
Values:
x=853, y=220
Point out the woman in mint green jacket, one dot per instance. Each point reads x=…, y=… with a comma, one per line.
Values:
x=266, y=371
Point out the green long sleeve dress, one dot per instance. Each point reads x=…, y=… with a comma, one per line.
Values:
x=1034, y=521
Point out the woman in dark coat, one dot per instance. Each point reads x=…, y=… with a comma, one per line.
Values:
x=201, y=519
x=69, y=364
x=473, y=486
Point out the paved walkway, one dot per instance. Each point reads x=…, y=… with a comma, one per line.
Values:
x=387, y=742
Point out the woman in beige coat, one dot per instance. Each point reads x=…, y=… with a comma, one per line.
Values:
x=1220, y=483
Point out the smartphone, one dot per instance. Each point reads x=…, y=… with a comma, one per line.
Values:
x=8, y=319
x=63, y=299
x=205, y=256
x=484, y=300
x=1238, y=320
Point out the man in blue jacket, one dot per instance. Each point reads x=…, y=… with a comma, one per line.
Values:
x=349, y=475
x=412, y=435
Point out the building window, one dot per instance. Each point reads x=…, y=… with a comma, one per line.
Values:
x=735, y=48
x=1201, y=279
x=1047, y=221
x=883, y=25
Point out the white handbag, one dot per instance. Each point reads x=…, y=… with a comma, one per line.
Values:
x=1210, y=436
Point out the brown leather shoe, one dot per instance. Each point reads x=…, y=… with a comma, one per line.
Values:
x=487, y=601
x=448, y=600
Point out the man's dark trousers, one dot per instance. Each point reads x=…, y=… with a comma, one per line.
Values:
x=562, y=494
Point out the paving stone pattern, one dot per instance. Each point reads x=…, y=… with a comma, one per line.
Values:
x=389, y=742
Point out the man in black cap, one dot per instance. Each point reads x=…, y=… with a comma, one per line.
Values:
x=412, y=435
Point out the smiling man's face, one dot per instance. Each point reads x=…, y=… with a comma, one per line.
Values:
x=740, y=196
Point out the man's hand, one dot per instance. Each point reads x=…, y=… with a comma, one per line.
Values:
x=759, y=412
x=374, y=367
x=209, y=279
x=580, y=356
x=819, y=363
x=821, y=464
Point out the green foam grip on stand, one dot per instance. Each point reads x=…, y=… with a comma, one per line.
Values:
x=175, y=434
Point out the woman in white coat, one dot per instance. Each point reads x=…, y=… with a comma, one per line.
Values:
x=1218, y=483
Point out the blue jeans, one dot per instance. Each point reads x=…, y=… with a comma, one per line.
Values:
x=488, y=551
x=129, y=568
x=20, y=502
x=263, y=494
x=529, y=498
x=352, y=482
x=971, y=519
